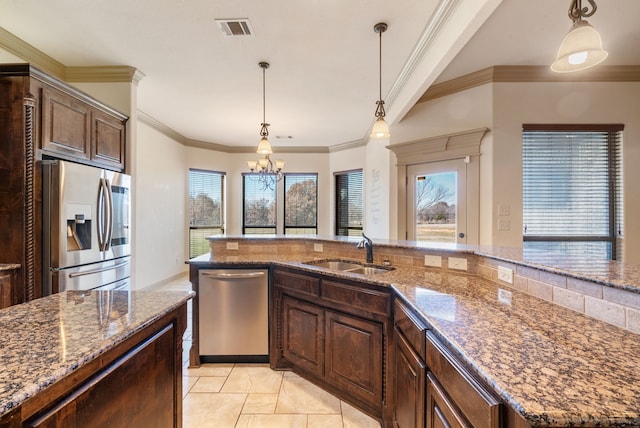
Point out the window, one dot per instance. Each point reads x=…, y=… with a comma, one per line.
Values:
x=572, y=189
x=206, y=209
x=348, y=203
x=301, y=204
x=259, y=206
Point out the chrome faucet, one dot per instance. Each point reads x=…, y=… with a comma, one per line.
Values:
x=368, y=245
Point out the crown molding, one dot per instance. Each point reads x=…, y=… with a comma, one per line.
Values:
x=176, y=136
x=34, y=56
x=161, y=127
x=107, y=73
x=443, y=147
x=24, y=50
x=530, y=74
x=348, y=145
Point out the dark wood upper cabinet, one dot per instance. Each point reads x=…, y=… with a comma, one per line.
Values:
x=41, y=116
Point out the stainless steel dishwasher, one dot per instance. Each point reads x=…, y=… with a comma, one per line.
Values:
x=234, y=315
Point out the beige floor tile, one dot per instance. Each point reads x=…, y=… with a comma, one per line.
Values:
x=324, y=421
x=260, y=404
x=208, y=384
x=300, y=396
x=252, y=379
x=354, y=418
x=209, y=369
x=187, y=384
x=272, y=421
x=212, y=410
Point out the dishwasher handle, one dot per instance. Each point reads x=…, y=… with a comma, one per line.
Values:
x=231, y=275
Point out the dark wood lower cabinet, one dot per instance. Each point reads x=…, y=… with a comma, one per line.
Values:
x=353, y=353
x=138, y=383
x=326, y=332
x=441, y=413
x=106, y=401
x=409, y=386
x=303, y=340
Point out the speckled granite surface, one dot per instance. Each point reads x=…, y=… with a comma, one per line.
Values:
x=46, y=339
x=552, y=365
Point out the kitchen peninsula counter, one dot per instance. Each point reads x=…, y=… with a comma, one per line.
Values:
x=53, y=347
x=553, y=366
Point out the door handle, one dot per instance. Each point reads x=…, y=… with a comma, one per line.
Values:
x=232, y=275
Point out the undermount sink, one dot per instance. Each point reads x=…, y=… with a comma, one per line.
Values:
x=351, y=267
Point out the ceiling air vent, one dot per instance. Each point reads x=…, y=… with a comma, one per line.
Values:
x=235, y=27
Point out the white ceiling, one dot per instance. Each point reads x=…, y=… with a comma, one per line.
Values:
x=323, y=81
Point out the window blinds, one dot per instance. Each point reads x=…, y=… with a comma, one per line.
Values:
x=206, y=208
x=348, y=203
x=571, y=188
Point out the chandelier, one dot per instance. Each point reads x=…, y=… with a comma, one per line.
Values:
x=380, y=129
x=582, y=46
x=263, y=169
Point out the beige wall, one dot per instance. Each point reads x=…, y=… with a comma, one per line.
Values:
x=516, y=104
x=160, y=195
x=503, y=108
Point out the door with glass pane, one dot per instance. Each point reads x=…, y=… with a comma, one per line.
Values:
x=436, y=202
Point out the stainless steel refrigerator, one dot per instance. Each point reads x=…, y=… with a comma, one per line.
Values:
x=86, y=227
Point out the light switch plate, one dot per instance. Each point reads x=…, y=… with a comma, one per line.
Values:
x=232, y=245
x=503, y=209
x=433, y=261
x=457, y=263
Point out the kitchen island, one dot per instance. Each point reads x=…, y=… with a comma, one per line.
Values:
x=534, y=343
x=93, y=358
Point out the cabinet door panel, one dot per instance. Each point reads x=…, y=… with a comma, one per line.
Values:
x=303, y=339
x=410, y=375
x=109, y=140
x=354, y=356
x=66, y=124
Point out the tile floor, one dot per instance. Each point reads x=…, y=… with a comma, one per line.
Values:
x=254, y=396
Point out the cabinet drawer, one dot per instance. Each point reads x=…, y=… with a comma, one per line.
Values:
x=373, y=301
x=478, y=405
x=410, y=327
x=302, y=283
x=440, y=411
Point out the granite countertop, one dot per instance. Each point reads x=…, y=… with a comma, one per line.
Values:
x=46, y=339
x=552, y=365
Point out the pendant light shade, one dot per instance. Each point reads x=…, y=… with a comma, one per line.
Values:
x=582, y=46
x=380, y=130
x=264, y=147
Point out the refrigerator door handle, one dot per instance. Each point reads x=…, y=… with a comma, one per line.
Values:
x=109, y=231
x=99, y=270
x=102, y=215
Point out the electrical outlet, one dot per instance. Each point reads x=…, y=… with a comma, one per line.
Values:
x=317, y=248
x=504, y=224
x=505, y=274
x=504, y=296
x=457, y=263
x=434, y=261
x=232, y=245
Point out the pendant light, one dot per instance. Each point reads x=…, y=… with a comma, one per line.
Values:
x=380, y=129
x=263, y=168
x=582, y=46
